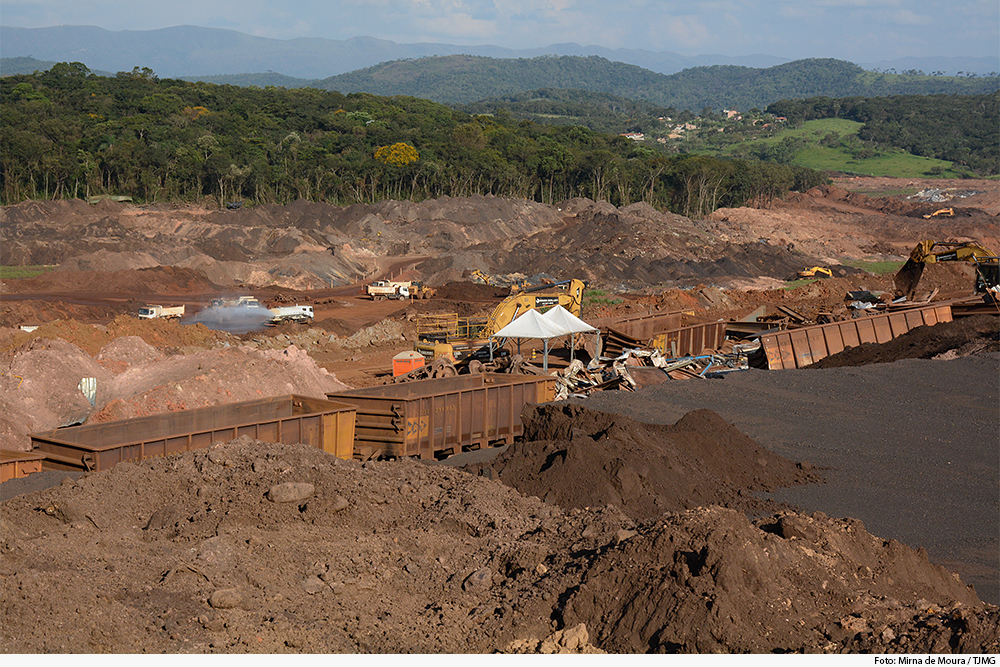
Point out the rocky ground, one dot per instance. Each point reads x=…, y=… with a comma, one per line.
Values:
x=690, y=517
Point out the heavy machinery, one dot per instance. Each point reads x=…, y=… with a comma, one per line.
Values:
x=296, y=313
x=385, y=289
x=942, y=212
x=480, y=278
x=402, y=290
x=157, y=312
x=815, y=272
x=418, y=290
x=238, y=302
x=932, y=252
x=463, y=339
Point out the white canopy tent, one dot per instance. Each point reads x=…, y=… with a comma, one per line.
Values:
x=531, y=325
x=571, y=324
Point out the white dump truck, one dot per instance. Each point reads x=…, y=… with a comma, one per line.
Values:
x=386, y=289
x=157, y=312
x=237, y=302
x=294, y=313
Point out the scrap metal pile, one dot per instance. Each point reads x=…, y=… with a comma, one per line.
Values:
x=654, y=348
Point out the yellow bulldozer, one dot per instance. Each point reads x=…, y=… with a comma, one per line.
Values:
x=932, y=252
x=463, y=339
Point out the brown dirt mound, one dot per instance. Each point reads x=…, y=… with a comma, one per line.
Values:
x=463, y=291
x=138, y=376
x=91, y=338
x=709, y=581
x=250, y=547
x=574, y=456
x=968, y=335
x=18, y=312
x=155, y=280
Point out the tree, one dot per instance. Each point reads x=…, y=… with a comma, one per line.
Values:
x=397, y=154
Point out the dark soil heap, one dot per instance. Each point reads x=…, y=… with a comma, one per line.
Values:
x=255, y=547
x=576, y=457
x=969, y=335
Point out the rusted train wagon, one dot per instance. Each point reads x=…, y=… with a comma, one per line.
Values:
x=690, y=340
x=15, y=465
x=435, y=418
x=797, y=348
x=325, y=424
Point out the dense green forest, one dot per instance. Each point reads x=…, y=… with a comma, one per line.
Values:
x=69, y=133
x=600, y=112
x=963, y=129
x=467, y=79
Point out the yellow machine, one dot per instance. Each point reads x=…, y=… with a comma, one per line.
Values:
x=932, y=252
x=480, y=277
x=464, y=338
x=816, y=272
x=942, y=212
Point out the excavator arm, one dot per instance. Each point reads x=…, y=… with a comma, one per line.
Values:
x=568, y=294
x=932, y=252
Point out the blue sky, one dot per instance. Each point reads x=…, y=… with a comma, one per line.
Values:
x=855, y=30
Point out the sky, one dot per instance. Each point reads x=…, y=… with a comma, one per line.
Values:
x=853, y=30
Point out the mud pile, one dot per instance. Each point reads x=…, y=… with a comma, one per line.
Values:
x=577, y=457
x=948, y=340
x=255, y=547
x=40, y=382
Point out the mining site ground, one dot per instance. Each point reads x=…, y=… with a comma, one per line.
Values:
x=838, y=509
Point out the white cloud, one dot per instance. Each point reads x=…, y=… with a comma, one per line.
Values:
x=906, y=17
x=443, y=28
x=785, y=28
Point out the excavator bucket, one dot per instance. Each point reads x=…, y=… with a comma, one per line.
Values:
x=908, y=276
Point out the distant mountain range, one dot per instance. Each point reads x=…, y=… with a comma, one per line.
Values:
x=192, y=52
x=457, y=80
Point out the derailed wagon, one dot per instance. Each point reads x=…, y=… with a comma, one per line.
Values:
x=290, y=419
x=436, y=418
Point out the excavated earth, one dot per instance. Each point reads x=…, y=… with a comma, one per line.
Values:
x=696, y=516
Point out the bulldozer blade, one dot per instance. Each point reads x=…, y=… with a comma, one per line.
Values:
x=908, y=276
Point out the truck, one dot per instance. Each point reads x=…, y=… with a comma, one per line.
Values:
x=157, y=312
x=381, y=290
x=294, y=313
x=237, y=302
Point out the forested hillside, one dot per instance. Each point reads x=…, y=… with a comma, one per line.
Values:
x=467, y=79
x=600, y=112
x=961, y=129
x=69, y=133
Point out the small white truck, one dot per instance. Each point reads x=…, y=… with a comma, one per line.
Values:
x=294, y=313
x=237, y=302
x=157, y=312
x=385, y=289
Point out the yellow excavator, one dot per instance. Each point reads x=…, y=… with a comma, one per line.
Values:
x=463, y=339
x=815, y=272
x=932, y=252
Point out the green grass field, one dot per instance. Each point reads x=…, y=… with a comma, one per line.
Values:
x=833, y=145
x=877, y=268
x=14, y=272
